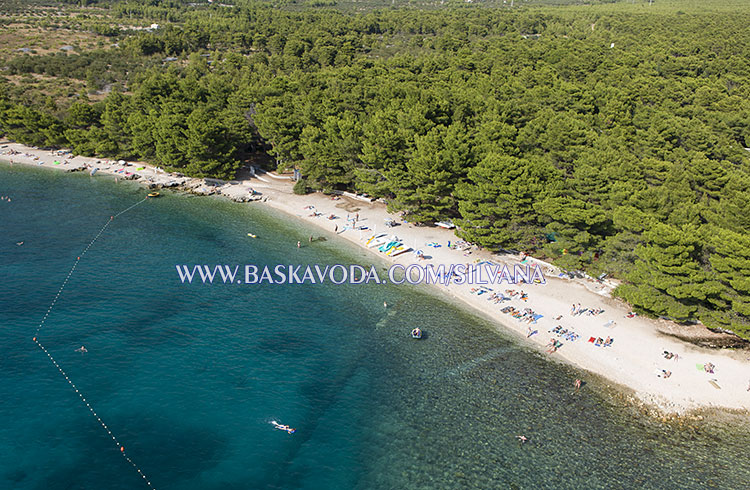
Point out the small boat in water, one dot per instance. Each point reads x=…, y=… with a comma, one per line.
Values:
x=154, y=194
x=416, y=333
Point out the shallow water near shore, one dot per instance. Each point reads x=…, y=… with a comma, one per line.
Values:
x=189, y=376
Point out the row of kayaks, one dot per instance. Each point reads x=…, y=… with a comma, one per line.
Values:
x=391, y=246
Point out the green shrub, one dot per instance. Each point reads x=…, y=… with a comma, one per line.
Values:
x=301, y=187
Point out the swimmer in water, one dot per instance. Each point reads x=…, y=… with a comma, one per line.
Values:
x=283, y=427
x=522, y=438
x=19, y=243
x=82, y=349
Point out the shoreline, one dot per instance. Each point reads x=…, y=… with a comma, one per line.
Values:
x=632, y=362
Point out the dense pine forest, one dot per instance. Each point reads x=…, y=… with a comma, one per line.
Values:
x=608, y=137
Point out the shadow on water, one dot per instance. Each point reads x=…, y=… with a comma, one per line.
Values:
x=161, y=438
x=321, y=396
x=16, y=477
x=170, y=453
x=139, y=326
x=288, y=344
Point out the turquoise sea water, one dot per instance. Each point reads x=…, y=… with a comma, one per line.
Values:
x=189, y=376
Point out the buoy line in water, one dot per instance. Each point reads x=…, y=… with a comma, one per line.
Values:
x=93, y=412
x=78, y=259
x=59, y=368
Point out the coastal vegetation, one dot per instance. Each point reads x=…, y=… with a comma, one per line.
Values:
x=609, y=137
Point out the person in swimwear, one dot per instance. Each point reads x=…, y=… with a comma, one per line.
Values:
x=284, y=427
x=82, y=349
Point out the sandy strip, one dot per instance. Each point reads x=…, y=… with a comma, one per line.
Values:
x=634, y=360
x=14, y=153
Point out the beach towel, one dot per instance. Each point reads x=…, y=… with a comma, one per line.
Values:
x=700, y=367
x=592, y=339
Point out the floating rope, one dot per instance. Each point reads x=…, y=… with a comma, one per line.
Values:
x=59, y=368
x=75, y=264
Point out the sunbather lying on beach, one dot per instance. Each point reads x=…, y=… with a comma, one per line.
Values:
x=663, y=374
x=553, y=345
x=670, y=355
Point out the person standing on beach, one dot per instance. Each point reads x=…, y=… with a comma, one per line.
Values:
x=578, y=385
x=336, y=229
x=299, y=244
x=310, y=238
